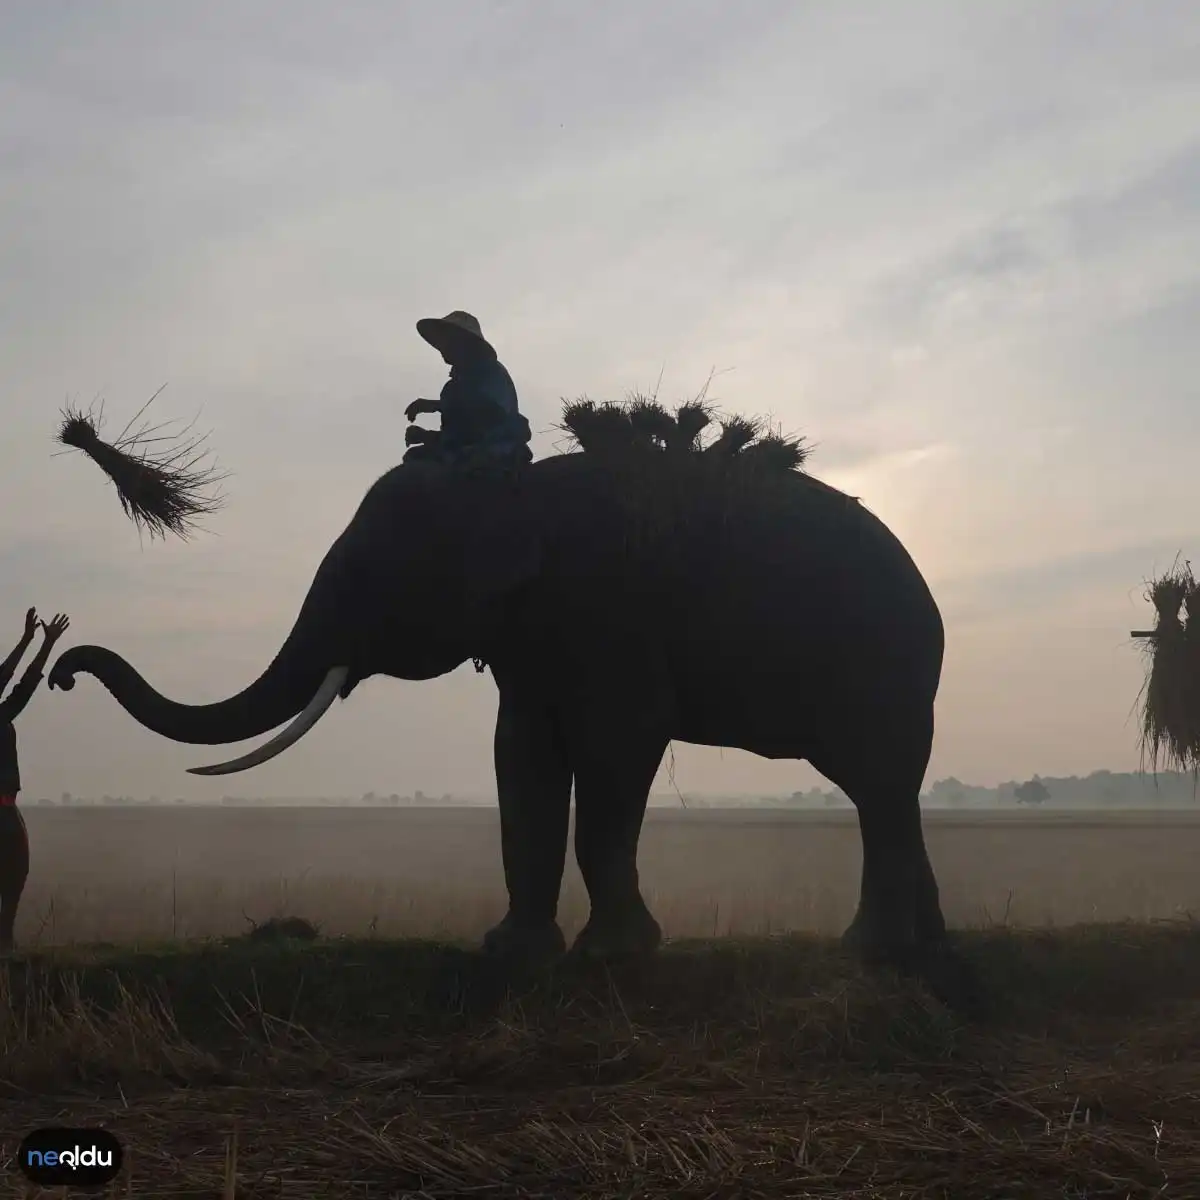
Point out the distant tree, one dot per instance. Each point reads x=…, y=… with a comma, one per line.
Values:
x=812, y=797
x=66, y=797
x=949, y=791
x=1032, y=791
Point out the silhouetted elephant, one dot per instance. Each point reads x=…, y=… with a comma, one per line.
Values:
x=622, y=600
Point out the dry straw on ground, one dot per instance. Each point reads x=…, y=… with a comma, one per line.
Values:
x=1171, y=694
x=769, y=1068
x=162, y=488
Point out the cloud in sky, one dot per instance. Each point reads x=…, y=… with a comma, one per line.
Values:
x=958, y=247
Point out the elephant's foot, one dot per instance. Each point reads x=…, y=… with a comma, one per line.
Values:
x=628, y=932
x=951, y=978
x=522, y=943
x=933, y=960
x=873, y=946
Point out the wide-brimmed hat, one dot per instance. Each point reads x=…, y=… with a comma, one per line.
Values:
x=454, y=329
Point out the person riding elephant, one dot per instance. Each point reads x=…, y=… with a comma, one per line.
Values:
x=481, y=419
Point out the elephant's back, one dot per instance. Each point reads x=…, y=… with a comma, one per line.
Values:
x=795, y=579
x=787, y=535
x=811, y=588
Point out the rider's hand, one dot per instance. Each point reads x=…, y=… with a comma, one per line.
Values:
x=417, y=407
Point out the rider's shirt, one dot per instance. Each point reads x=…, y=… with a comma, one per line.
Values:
x=479, y=410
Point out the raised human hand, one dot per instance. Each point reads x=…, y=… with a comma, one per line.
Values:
x=31, y=623
x=56, y=628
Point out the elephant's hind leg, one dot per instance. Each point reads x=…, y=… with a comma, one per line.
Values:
x=899, y=922
x=533, y=783
x=613, y=775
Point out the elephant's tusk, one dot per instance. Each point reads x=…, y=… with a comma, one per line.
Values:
x=326, y=694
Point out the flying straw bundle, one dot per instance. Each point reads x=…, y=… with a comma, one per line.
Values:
x=162, y=488
x=1171, y=694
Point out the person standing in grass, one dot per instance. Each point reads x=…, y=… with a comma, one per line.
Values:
x=14, y=840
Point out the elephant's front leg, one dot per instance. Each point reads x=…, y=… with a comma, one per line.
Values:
x=533, y=782
x=615, y=764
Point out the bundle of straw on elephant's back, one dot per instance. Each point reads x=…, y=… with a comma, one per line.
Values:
x=667, y=468
x=160, y=493
x=1171, y=695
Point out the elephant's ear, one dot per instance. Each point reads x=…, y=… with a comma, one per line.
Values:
x=503, y=552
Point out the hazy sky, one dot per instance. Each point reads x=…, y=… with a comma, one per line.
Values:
x=958, y=246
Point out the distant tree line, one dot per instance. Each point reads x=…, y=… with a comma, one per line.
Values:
x=394, y=800
x=1100, y=789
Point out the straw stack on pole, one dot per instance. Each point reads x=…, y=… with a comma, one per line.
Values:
x=1171, y=694
x=162, y=487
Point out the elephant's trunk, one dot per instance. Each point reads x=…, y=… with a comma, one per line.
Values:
x=288, y=684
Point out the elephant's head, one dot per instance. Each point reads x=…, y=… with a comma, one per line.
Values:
x=407, y=590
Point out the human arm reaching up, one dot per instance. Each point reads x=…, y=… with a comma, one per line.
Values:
x=9, y=665
x=14, y=705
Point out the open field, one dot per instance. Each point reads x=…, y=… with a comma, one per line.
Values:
x=368, y=1065
x=739, y=1068
x=135, y=874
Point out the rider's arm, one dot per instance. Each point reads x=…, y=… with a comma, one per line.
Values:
x=417, y=407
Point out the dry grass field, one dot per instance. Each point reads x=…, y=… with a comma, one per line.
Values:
x=372, y=1064
x=135, y=874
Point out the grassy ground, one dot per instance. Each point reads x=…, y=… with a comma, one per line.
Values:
x=374, y=1068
